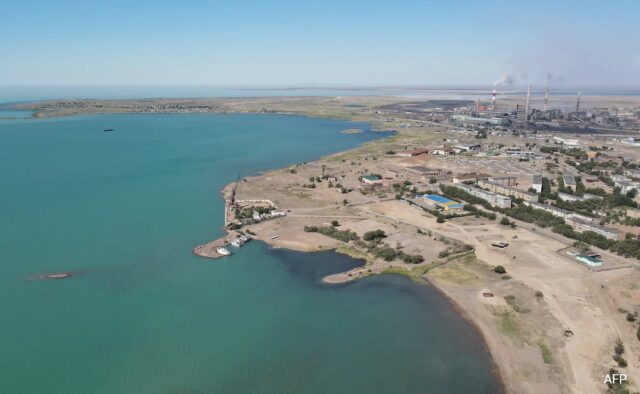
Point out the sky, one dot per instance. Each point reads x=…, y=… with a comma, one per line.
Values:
x=324, y=43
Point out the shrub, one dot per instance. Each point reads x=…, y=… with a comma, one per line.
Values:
x=440, y=219
x=620, y=360
x=539, y=294
x=619, y=347
x=374, y=235
x=335, y=223
x=498, y=269
x=504, y=221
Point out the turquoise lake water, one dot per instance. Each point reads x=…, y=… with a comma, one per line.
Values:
x=124, y=209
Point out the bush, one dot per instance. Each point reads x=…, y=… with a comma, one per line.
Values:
x=504, y=221
x=374, y=235
x=539, y=294
x=335, y=223
x=620, y=360
x=440, y=219
x=340, y=235
x=619, y=347
x=498, y=269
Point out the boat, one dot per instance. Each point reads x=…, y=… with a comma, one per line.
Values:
x=62, y=275
x=223, y=251
x=238, y=242
x=107, y=130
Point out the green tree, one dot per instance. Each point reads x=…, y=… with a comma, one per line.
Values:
x=498, y=269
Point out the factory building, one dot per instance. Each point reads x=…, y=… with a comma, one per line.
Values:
x=494, y=199
x=473, y=120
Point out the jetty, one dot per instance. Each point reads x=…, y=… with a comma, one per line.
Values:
x=210, y=249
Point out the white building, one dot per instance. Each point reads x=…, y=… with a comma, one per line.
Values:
x=492, y=198
x=565, y=141
x=468, y=147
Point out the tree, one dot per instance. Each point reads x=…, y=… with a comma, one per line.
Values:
x=440, y=219
x=498, y=269
x=335, y=223
x=504, y=221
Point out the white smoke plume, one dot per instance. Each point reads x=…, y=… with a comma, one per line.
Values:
x=505, y=79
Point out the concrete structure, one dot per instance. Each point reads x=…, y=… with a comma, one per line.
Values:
x=569, y=197
x=494, y=199
x=507, y=191
x=504, y=180
x=468, y=147
x=578, y=222
x=583, y=225
x=371, y=180
x=569, y=181
x=442, y=203
x=561, y=213
x=465, y=119
x=588, y=260
x=625, y=184
x=573, y=197
x=565, y=141
x=536, y=183
x=523, y=154
x=472, y=176
x=411, y=153
x=425, y=171
x=445, y=151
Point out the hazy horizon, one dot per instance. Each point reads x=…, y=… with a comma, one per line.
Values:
x=286, y=43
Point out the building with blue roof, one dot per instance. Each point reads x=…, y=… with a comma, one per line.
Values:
x=442, y=203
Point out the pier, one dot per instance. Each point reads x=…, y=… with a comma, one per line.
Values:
x=209, y=250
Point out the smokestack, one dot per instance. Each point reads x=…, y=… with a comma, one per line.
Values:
x=578, y=101
x=477, y=106
x=526, y=106
x=493, y=97
x=546, y=94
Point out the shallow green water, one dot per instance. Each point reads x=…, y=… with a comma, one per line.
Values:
x=146, y=316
